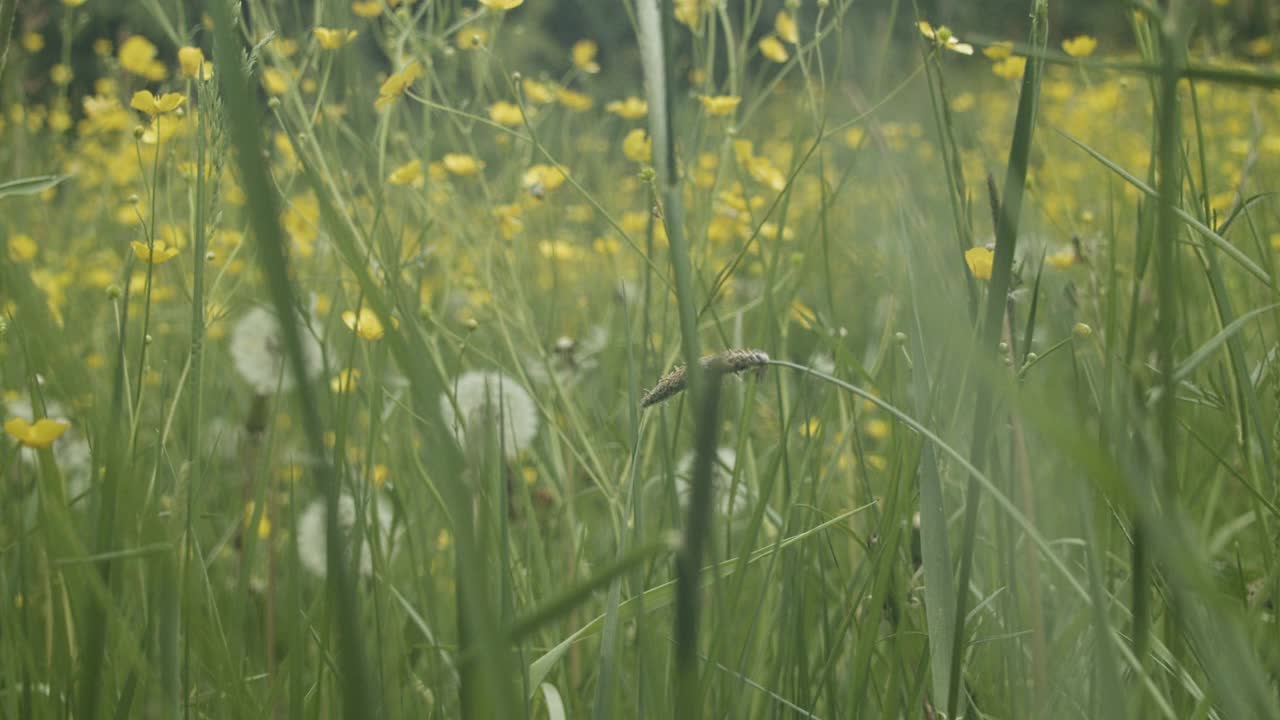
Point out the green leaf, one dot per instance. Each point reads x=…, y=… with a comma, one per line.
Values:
x=30, y=185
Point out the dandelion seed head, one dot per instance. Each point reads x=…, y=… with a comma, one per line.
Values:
x=312, y=550
x=482, y=397
x=258, y=352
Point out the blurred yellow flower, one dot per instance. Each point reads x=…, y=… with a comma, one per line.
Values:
x=637, y=146
x=367, y=8
x=462, y=164
x=1010, y=68
x=74, y=3
x=574, y=100
x=998, y=51
x=274, y=81
x=333, y=39
x=138, y=56
x=944, y=38
x=536, y=92
x=397, y=85
x=22, y=248
x=633, y=108
x=1063, y=258
x=501, y=4
x=979, y=260
x=192, y=63
x=878, y=429
x=541, y=177
x=1259, y=47
x=157, y=254
x=150, y=104
x=37, y=436
x=505, y=113
x=1080, y=46
x=785, y=26
x=32, y=42
x=719, y=104
x=365, y=324
x=584, y=56
x=345, y=380
x=771, y=47
x=60, y=74
x=409, y=173
x=471, y=38
x=689, y=12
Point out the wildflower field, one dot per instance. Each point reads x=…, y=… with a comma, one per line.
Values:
x=764, y=359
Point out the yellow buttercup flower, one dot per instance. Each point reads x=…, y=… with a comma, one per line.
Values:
x=333, y=39
x=772, y=48
x=192, y=63
x=1010, y=68
x=469, y=38
x=397, y=85
x=365, y=324
x=22, y=248
x=1080, y=46
x=138, y=56
x=367, y=8
x=541, y=178
x=584, y=56
x=574, y=100
x=409, y=173
x=150, y=104
x=1062, y=259
x=998, y=51
x=505, y=113
x=979, y=260
x=37, y=436
x=536, y=92
x=501, y=4
x=637, y=146
x=633, y=108
x=345, y=380
x=719, y=104
x=785, y=26
x=462, y=164
x=158, y=253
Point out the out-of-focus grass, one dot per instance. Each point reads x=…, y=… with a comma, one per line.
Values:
x=347, y=338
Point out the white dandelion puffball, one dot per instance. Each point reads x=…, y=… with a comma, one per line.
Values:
x=721, y=483
x=312, y=550
x=484, y=396
x=258, y=351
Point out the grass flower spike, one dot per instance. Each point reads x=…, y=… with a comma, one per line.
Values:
x=728, y=362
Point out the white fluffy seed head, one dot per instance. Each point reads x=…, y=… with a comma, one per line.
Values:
x=485, y=396
x=312, y=550
x=258, y=352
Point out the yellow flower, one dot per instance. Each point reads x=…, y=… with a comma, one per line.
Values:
x=771, y=47
x=332, y=39
x=32, y=42
x=345, y=380
x=536, y=92
x=366, y=324
x=1010, y=68
x=157, y=254
x=22, y=248
x=584, y=56
x=409, y=173
x=637, y=146
x=150, y=104
x=998, y=51
x=274, y=81
x=785, y=26
x=1259, y=47
x=979, y=260
x=191, y=61
x=633, y=108
x=576, y=101
x=719, y=104
x=462, y=164
x=137, y=55
x=945, y=38
x=505, y=113
x=689, y=12
x=1080, y=46
x=541, y=177
x=396, y=85
x=1062, y=259
x=37, y=436
x=74, y=3
x=367, y=8
x=471, y=38
x=501, y=4
x=60, y=74
x=878, y=429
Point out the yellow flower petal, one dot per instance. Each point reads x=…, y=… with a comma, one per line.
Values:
x=979, y=260
x=37, y=436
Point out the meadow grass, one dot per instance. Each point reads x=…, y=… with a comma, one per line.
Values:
x=390, y=359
